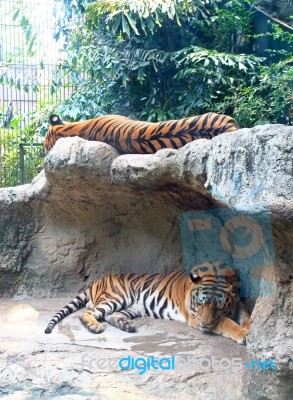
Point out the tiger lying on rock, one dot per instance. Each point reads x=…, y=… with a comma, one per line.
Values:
x=129, y=136
x=207, y=299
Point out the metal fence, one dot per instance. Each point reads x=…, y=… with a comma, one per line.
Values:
x=28, y=58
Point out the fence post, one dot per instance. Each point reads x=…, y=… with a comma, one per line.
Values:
x=21, y=163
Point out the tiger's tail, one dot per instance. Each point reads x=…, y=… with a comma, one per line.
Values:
x=76, y=304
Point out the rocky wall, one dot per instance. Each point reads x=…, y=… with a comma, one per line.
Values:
x=92, y=212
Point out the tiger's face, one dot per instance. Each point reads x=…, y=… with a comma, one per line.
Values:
x=214, y=291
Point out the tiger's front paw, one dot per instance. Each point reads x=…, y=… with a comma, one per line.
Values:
x=90, y=322
x=125, y=325
x=240, y=336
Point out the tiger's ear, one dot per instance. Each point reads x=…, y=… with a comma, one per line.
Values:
x=194, y=277
x=234, y=287
x=55, y=120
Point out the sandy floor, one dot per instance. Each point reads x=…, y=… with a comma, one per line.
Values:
x=74, y=364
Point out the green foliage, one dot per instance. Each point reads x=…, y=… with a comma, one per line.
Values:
x=269, y=100
x=14, y=166
x=154, y=60
x=28, y=31
x=161, y=60
x=279, y=33
x=208, y=75
x=269, y=97
x=16, y=16
x=11, y=172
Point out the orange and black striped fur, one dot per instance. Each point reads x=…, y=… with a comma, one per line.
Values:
x=129, y=136
x=206, y=299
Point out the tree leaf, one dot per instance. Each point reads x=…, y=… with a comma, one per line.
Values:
x=125, y=26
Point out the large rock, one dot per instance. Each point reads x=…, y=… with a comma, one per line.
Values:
x=92, y=212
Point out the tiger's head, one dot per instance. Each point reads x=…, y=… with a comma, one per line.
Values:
x=214, y=293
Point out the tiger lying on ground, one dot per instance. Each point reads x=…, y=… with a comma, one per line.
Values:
x=207, y=299
x=129, y=136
